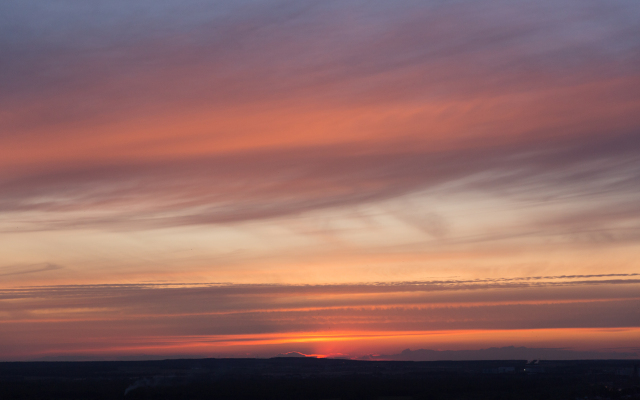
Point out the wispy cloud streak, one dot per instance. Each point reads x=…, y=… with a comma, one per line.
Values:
x=258, y=185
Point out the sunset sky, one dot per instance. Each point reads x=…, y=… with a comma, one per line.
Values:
x=336, y=178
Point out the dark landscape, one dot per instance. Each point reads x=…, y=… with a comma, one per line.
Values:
x=311, y=378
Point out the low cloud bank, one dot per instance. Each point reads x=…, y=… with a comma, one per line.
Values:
x=502, y=353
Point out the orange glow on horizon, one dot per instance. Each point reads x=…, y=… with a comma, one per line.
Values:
x=357, y=344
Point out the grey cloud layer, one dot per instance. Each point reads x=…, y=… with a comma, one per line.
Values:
x=90, y=317
x=98, y=59
x=222, y=299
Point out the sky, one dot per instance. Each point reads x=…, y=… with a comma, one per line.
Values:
x=335, y=178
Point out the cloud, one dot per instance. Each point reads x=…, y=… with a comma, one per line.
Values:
x=67, y=66
x=27, y=269
x=125, y=118
x=503, y=353
x=252, y=47
x=135, y=118
x=526, y=303
x=269, y=184
x=205, y=319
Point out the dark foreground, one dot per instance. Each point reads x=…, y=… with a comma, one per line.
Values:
x=304, y=378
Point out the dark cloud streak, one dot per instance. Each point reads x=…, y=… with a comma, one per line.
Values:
x=28, y=269
x=549, y=302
